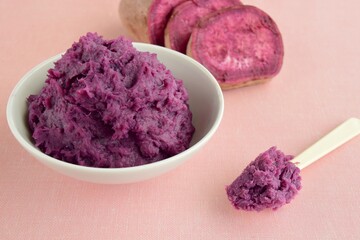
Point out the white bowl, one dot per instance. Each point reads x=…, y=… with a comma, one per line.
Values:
x=206, y=103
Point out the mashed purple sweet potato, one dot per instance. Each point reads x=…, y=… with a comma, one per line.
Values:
x=105, y=104
x=269, y=181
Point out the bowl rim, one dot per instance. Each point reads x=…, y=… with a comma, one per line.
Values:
x=32, y=149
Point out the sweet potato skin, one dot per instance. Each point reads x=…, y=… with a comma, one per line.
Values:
x=134, y=17
x=240, y=46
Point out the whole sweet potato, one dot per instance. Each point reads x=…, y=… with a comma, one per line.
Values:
x=240, y=46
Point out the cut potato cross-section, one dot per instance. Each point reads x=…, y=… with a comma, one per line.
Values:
x=185, y=16
x=240, y=46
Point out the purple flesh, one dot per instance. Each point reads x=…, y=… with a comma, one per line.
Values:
x=270, y=181
x=158, y=16
x=187, y=15
x=105, y=104
x=238, y=44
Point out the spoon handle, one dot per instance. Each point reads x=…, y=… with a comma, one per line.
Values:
x=340, y=135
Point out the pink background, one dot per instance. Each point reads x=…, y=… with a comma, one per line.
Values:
x=317, y=89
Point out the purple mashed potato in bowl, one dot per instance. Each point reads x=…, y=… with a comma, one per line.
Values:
x=270, y=181
x=83, y=115
x=105, y=104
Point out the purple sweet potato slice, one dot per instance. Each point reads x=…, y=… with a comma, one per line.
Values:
x=240, y=46
x=185, y=16
x=158, y=16
x=146, y=20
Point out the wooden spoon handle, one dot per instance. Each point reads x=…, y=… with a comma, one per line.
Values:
x=340, y=135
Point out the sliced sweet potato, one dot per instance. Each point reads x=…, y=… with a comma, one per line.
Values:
x=240, y=46
x=146, y=19
x=158, y=17
x=185, y=16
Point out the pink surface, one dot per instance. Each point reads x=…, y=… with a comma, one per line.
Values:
x=316, y=90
